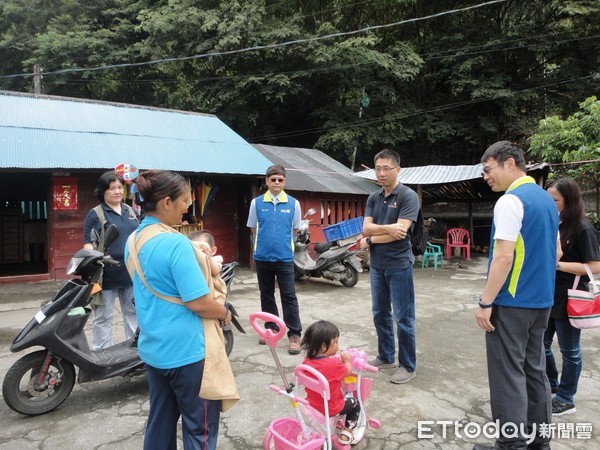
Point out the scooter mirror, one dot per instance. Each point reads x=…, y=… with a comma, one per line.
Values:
x=110, y=235
x=310, y=212
x=94, y=238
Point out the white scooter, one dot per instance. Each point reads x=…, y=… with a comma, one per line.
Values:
x=335, y=261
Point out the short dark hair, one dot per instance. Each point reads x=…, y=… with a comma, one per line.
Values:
x=103, y=183
x=386, y=153
x=318, y=334
x=276, y=169
x=503, y=150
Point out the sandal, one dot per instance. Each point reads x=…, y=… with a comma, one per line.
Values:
x=349, y=438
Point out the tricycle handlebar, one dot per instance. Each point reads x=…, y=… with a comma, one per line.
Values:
x=271, y=337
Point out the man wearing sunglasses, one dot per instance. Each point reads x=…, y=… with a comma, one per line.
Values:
x=516, y=301
x=273, y=218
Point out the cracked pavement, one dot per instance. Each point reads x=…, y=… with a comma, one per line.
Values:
x=451, y=382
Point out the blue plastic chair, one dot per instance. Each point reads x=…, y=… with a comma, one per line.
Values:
x=432, y=251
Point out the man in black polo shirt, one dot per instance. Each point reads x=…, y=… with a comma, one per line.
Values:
x=389, y=215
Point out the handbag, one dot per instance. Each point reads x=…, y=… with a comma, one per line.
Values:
x=583, y=307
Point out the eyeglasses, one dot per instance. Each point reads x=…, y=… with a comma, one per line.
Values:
x=385, y=169
x=488, y=170
x=276, y=180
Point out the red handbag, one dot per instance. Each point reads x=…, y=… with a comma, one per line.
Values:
x=583, y=307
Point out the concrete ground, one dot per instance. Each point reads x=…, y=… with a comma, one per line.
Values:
x=451, y=382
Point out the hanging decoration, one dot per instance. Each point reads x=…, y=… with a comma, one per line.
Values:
x=206, y=192
x=64, y=193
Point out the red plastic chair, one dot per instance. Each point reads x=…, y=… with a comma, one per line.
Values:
x=460, y=238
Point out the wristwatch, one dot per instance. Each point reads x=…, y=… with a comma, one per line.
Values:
x=368, y=241
x=558, y=267
x=485, y=305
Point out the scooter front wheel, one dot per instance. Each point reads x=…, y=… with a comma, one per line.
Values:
x=24, y=394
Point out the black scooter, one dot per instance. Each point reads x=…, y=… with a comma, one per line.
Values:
x=40, y=381
x=335, y=261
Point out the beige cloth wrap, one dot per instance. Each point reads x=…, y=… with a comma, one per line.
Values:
x=218, y=382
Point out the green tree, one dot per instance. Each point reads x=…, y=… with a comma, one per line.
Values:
x=575, y=139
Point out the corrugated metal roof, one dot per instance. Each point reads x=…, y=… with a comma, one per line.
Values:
x=431, y=174
x=452, y=183
x=43, y=132
x=311, y=170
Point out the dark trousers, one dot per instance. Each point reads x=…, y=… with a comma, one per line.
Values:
x=266, y=272
x=352, y=411
x=519, y=387
x=174, y=393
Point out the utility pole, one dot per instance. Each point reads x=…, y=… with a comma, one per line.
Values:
x=37, y=79
x=363, y=100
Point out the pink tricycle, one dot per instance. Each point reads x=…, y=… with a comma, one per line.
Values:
x=310, y=429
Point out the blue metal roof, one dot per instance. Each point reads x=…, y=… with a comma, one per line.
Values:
x=43, y=132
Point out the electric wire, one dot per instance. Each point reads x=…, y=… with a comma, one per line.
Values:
x=459, y=52
x=364, y=122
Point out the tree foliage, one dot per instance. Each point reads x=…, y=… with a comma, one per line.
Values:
x=440, y=89
x=574, y=141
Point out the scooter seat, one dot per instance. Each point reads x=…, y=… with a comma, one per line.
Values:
x=322, y=247
x=120, y=352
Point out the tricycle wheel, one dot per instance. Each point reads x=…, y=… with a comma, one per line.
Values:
x=268, y=440
x=24, y=393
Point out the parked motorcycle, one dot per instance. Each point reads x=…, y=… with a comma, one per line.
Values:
x=335, y=260
x=41, y=381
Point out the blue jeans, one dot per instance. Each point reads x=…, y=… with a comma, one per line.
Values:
x=103, y=317
x=173, y=393
x=568, y=342
x=284, y=271
x=392, y=292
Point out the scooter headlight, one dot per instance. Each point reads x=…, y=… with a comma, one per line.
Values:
x=73, y=265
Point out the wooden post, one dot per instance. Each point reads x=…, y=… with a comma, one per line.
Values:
x=37, y=79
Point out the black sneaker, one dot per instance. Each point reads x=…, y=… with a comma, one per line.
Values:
x=559, y=408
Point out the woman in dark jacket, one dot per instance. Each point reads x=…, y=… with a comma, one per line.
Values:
x=115, y=280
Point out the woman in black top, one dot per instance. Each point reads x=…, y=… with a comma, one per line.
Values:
x=579, y=242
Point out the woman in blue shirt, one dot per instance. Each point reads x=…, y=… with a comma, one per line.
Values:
x=171, y=341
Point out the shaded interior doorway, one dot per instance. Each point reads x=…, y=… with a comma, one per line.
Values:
x=23, y=223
